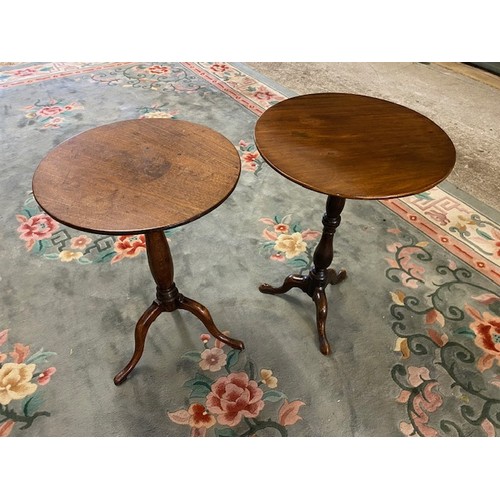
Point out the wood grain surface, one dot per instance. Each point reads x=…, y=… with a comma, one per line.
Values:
x=135, y=176
x=354, y=146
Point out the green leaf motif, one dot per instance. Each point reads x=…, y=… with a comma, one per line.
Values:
x=298, y=262
x=38, y=247
x=484, y=235
x=199, y=392
x=225, y=432
x=106, y=257
x=465, y=331
x=52, y=256
x=232, y=358
x=423, y=196
x=250, y=369
x=39, y=356
x=192, y=356
x=32, y=404
x=200, y=385
x=273, y=396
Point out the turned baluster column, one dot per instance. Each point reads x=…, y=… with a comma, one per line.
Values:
x=320, y=276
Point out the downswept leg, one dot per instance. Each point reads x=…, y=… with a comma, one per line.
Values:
x=141, y=330
x=202, y=313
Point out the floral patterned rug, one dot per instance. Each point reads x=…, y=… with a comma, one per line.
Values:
x=415, y=328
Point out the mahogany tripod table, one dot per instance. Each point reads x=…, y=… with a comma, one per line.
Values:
x=348, y=146
x=141, y=177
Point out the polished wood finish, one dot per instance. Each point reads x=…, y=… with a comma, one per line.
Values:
x=348, y=146
x=354, y=146
x=141, y=176
x=134, y=176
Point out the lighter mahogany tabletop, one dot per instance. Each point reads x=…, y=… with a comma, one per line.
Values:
x=135, y=176
x=354, y=146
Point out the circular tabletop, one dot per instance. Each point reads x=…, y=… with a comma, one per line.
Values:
x=354, y=146
x=134, y=176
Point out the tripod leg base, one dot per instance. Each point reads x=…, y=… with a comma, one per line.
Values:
x=202, y=313
x=319, y=298
x=141, y=330
x=291, y=281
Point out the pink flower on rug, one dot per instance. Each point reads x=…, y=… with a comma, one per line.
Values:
x=269, y=235
x=249, y=164
x=427, y=402
x=279, y=257
x=488, y=428
x=250, y=157
x=487, y=298
x=36, y=228
x=53, y=122
x=205, y=337
x=24, y=72
x=196, y=416
x=129, y=246
x=413, y=272
x=434, y=316
x=439, y=338
x=159, y=70
x=198, y=432
x=4, y=335
x=44, y=377
x=281, y=228
x=234, y=397
x=199, y=417
x=439, y=217
x=50, y=111
x=249, y=167
x=213, y=359
x=219, y=68
x=263, y=94
x=309, y=235
x=6, y=428
x=20, y=352
x=289, y=412
x=487, y=330
x=72, y=106
x=80, y=242
x=417, y=375
x=424, y=403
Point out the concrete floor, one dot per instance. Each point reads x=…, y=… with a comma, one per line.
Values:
x=464, y=101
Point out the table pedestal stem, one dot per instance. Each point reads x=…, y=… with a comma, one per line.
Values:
x=319, y=276
x=168, y=299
